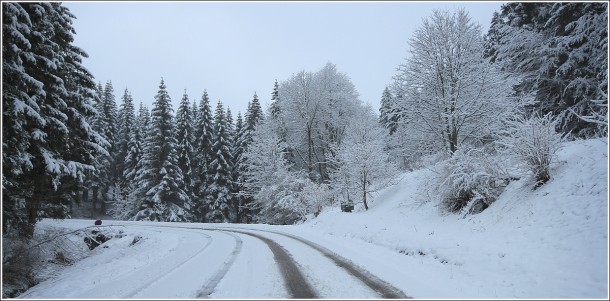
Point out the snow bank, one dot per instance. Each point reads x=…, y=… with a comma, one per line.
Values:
x=551, y=242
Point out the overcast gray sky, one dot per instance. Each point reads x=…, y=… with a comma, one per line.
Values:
x=234, y=49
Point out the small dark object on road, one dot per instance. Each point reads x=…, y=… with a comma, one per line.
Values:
x=98, y=222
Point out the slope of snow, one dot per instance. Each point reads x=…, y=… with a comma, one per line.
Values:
x=551, y=242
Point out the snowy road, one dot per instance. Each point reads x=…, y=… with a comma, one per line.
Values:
x=211, y=261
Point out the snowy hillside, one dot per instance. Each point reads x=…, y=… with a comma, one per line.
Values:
x=546, y=243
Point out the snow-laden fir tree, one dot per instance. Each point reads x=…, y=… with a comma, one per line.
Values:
x=125, y=127
x=48, y=144
x=274, y=107
x=109, y=117
x=389, y=115
x=194, y=118
x=203, y=150
x=98, y=179
x=185, y=148
x=141, y=172
x=239, y=146
x=219, y=192
x=128, y=206
x=254, y=114
x=559, y=53
x=166, y=198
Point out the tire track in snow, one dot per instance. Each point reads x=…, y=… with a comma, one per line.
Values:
x=383, y=288
x=175, y=267
x=216, y=278
x=298, y=287
x=211, y=285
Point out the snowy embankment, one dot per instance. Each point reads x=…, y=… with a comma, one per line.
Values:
x=551, y=242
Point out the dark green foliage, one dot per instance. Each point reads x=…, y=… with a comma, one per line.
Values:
x=48, y=144
x=560, y=53
x=220, y=197
x=165, y=198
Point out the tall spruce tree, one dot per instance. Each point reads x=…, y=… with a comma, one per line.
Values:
x=109, y=128
x=141, y=172
x=219, y=196
x=559, y=52
x=125, y=128
x=204, y=140
x=167, y=200
x=48, y=144
x=184, y=137
x=274, y=108
x=129, y=205
x=99, y=178
x=255, y=112
x=241, y=213
x=389, y=116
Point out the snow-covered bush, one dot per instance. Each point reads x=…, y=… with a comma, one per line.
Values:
x=289, y=200
x=533, y=142
x=281, y=195
x=26, y=263
x=18, y=266
x=470, y=178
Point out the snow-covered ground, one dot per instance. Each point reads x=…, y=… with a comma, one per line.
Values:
x=551, y=242
x=546, y=243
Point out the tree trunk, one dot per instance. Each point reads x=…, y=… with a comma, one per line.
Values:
x=366, y=206
x=309, y=153
x=94, y=201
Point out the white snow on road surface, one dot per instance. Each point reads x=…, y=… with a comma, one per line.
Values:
x=551, y=242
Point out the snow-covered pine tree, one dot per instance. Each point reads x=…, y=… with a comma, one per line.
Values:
x=101, y=174
x=219, y=196
x=238, y=170
x=388, y=117
x=110, y=118
x=128, y=206
x=203, y=149
x=137, y=194
x=125, y=128
x=559, y=52
x=230, y=137
x=274, y=108
x=47, y=102
x=185, y=148
x=230, y=129
x=255, y=112
x=254, y=116
x=167, y=200
x=193, y=130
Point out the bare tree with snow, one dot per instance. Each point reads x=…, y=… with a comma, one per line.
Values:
x=363, y=163
x=451, y=94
